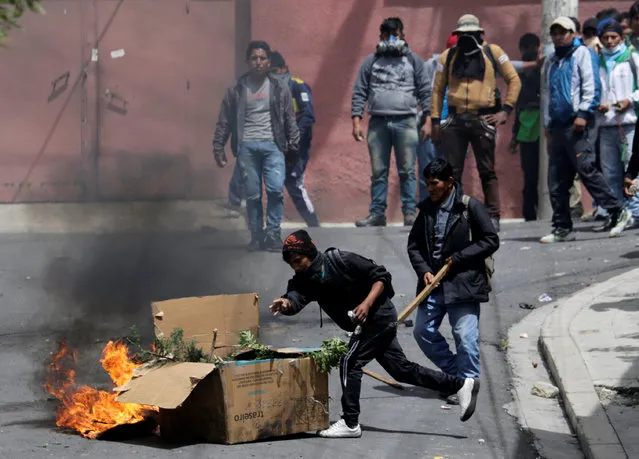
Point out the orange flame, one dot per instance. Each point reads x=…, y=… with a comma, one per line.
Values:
x=85, y=409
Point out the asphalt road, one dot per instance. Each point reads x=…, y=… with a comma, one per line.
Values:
x=88, y=289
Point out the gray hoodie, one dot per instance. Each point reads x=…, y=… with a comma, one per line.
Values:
x=391, y=86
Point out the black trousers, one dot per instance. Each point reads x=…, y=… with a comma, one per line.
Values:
x=294, y=183
x=379, y=342
x=529, y=153
x=572, y=152
x=457, y=132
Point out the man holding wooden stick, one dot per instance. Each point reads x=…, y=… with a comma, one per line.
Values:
x=356, y=293
x=451, y=230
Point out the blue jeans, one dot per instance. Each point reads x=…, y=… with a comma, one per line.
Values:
x=257, y=160
x=613, y=165
x=426, y=152
x=464, y=321
x=236, y=187
x=398, y=133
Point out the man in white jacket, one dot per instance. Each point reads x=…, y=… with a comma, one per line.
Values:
x=617, y=115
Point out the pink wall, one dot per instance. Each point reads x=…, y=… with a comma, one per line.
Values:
x=324, y=42
x=153, y=139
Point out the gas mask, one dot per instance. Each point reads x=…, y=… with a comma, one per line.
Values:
x=394, y=46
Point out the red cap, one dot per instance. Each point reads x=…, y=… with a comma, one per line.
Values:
x=452, y=41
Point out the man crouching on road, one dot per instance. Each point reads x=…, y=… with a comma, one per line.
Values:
x=342, y=282
x=456, y=230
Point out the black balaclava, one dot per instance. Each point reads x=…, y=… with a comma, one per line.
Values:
x=469, y=62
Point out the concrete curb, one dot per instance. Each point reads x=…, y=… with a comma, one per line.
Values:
x=116, y=217
x=598, y=438
x=543, y=418
x=134, y=216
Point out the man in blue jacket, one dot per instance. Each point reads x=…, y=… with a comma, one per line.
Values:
x=305, y=117
x=569, y=118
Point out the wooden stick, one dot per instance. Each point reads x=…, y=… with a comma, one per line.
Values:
x=407, y=312
x=390, y=382
x=213, y=344
x=423, y=295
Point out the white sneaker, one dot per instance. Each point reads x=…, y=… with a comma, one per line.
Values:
x=468, y=398
x=341, y=430
x=622, y=222
x=558, y=235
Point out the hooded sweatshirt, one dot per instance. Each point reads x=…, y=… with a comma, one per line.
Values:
x=391, y=83
x=339, y=289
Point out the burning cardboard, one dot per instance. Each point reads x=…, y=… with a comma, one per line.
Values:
x=231, y=401
x=235, y=402
x=226, y=402
x=92, y=412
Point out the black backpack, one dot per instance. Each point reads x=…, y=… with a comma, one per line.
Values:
x=489, y=262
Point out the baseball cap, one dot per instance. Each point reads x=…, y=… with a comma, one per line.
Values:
x=564, y=22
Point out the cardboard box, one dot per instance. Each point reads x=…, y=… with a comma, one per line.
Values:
x=199, y=316
x=234, y=401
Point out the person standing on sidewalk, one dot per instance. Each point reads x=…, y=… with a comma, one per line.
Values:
x=589, y=39
x=426, y=151
x=469, y=71
x=392, y=83
x=344, y=282
x=617, y=116
x=526, y=127
x=257, y=113
x=569, y=117
x=452, y=229
x=305, y=116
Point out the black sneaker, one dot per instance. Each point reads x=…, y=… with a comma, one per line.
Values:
x=254, y=246
x=558, y=235
x=272, y=243
x=451, y=399
x=409, y=219
x=607, y=226
x=611, y=221
x=371, y=220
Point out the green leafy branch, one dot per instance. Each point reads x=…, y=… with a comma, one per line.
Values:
x=327, y=358
x=330, y=355
x=11, y=11
x=174, y=348
x=248, y=341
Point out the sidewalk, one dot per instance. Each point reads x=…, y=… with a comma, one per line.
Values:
x=591, y=345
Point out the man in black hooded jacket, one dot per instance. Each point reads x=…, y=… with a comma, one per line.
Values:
x=343, y=283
